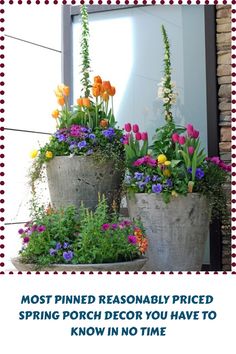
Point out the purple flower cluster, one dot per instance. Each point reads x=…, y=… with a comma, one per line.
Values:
x=148, y=182
x=81, y=139
x=109, y=133
x=217, y=161
x=29, y=230
x=121, y=225
x=199, y=174
x=67, y=253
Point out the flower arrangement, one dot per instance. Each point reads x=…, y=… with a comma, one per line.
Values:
x=176, y=164
x=60, y=236
x=88, y=127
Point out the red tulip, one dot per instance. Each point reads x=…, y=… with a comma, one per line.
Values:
x=182, y=140
x=138, y=136
x=135, y=128
x=144, y=136
x=128, y=127
x=175, y=137
x=190, y=150
x=189, y=129
x=195, y=134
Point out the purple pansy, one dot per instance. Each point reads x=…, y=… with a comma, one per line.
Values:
x=68, y=255
x=157, y=188
x=41, y=228
x=52, y=251
x=82, y=144
x=105, y=227
x=199, y=173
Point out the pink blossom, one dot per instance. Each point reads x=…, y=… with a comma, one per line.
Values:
x=146, y=160
x=26, y=239
x=135, y=128
x=175, y=137
x=144, y=136
x=195, y=134
x=128, y=127
x=182, y=140
x=139, y=162
x=105, y=227
x=138, y=136
x=190, y=150
x=189, y=130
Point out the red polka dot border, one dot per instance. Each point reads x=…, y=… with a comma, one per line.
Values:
x=2, y=111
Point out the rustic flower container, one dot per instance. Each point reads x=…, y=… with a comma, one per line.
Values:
x=76, y=179
x=134, y=265
x=177, y=231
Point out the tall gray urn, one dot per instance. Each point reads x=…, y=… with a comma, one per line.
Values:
x=76, y=179
x=176, y=231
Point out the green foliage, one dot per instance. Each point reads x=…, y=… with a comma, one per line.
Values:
x=64, y=237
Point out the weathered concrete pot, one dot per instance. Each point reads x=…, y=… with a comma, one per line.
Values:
x=134, y=265
x=72, y=180
x=176, y=231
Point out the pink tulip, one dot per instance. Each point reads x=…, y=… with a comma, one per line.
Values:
x=175, y=137
x=195, y=134
x=135, y=128
x=144, y=136
x=189, y=130
x=182, y=140
x=138, y=136
x=190, y=150
x=128, y=127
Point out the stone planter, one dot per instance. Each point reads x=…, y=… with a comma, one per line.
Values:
x=72, y=180
x=134, y=265
x=176, y=231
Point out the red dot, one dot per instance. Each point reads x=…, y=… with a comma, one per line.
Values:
x=2, y=246
x=215, y=2
x=162, y=2
x=2, y=237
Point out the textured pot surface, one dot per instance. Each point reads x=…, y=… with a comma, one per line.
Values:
x=134, y=265
x=176, y=231
x=72, y=180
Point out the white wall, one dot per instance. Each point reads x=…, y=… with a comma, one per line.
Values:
x=33, y=70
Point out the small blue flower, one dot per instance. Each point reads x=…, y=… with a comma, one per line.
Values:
x=141, y=185
x=189, y=170
x=83, y=130
x=92, y=136
x=169, y=183
x=157, y=188
x=68, y=255
x=147, y=179
x=65, y=245
x=72, y=146
x=155, y=178
x=82, y=144
x=89, y=152
x=199, y=173
x=58, y=246
x=108, y=133
x=138, y=176
x=52, y=252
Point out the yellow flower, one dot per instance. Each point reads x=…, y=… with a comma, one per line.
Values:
x=166, y=173
x=55, y=113
x=174, y=194
x=33, y=154
x=167, y=163
x=161, y=159
x=49, y=154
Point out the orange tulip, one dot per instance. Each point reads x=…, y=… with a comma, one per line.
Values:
x=86, y=102
x=61, y=101
x=80, y=102
x=112, y=91
x=104, y=123
x=106, y=85
x=66, y=90
x=96, y=90
x=105, y=96
x=55, y=113
x=58, y=93
x=97, y=80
